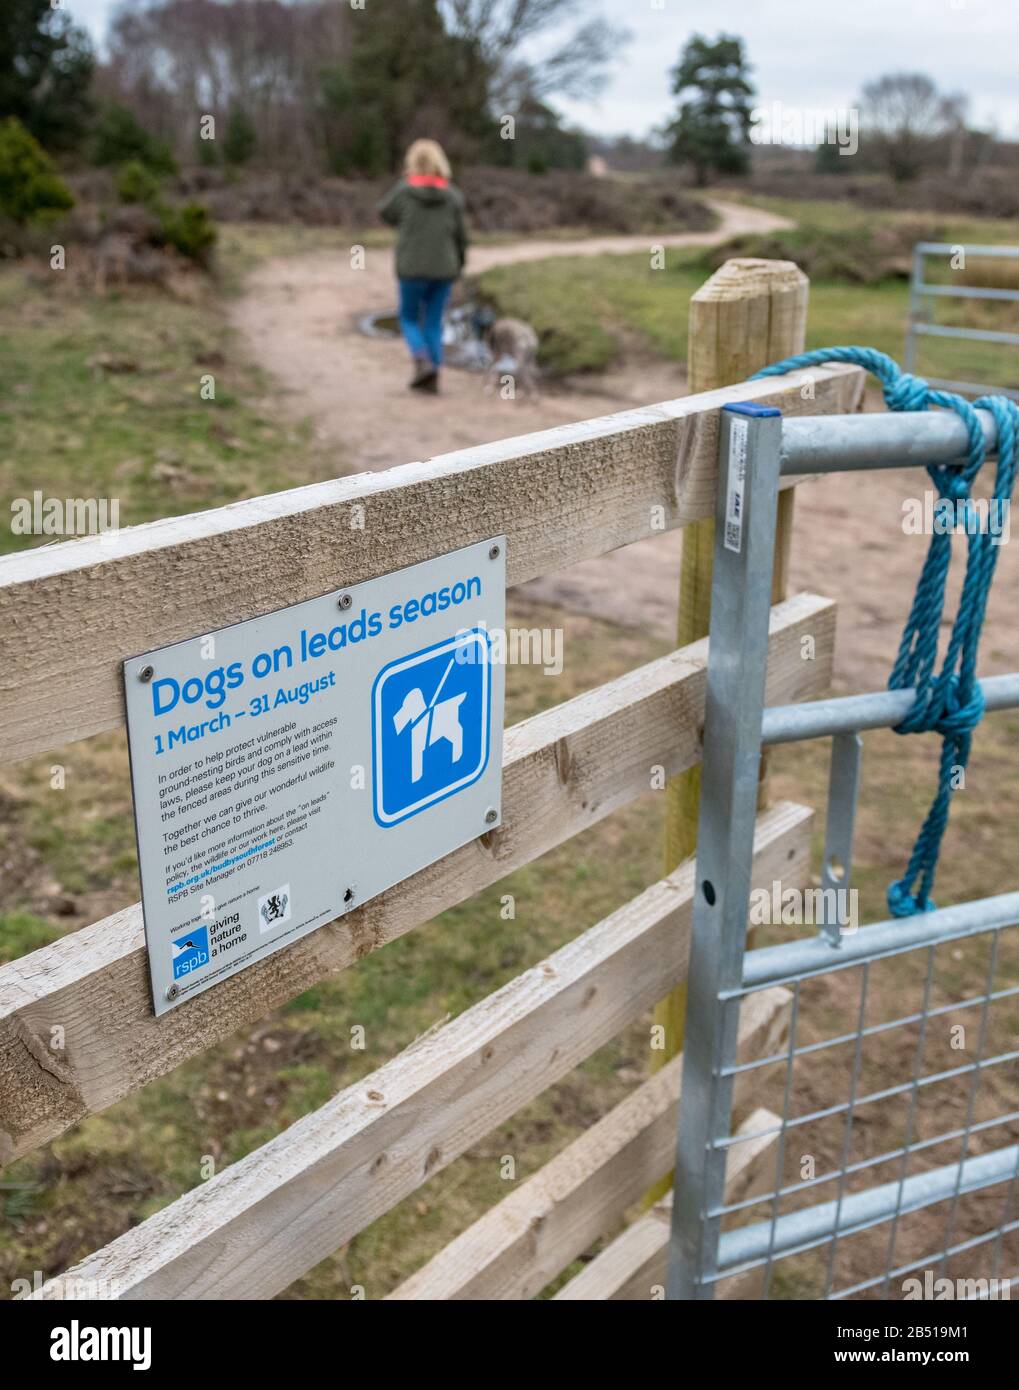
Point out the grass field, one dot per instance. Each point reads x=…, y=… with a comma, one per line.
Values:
x=625, y=306
x=69, y=855
x=111, y=397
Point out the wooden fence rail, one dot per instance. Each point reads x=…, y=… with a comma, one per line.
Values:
x=261, y=1223
x=633, y=1266
x=523, y=1242
x=72, y=613
x=563, y=770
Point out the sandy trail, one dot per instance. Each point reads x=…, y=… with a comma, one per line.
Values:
x=299, y=320
x=299, y=317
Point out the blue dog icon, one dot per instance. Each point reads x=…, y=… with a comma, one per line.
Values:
x=430, y=725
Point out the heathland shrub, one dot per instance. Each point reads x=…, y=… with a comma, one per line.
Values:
x=187, y=228
x=137, y=184
x=868, y=256
x=498, y=200
x=31, y=190
x=190, y=230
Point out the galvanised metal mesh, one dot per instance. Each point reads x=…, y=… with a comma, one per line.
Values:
x=867, y=1186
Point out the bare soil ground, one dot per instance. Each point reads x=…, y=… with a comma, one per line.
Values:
x=848, y=544
x=299, y=318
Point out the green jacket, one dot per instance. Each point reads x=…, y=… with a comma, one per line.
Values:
x=432, y=241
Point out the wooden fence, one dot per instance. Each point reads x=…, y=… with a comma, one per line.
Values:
x=72, y=613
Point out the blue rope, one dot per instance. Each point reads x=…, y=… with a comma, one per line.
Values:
x=948, y=702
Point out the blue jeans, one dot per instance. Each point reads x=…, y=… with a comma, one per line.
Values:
x=422, y=305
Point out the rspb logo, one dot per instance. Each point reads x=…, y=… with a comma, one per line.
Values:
x=190, y=952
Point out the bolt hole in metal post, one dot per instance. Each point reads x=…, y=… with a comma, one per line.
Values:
x=806, y=1215
x=745, y=519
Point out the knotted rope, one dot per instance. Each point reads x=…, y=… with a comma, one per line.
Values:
x=948, y=702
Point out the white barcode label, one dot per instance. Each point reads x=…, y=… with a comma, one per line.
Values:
x=737, y=479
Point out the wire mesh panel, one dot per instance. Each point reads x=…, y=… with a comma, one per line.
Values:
x=890, y=1168
x=894, y=1160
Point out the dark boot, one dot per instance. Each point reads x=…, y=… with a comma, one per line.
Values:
x=425, y=372
x=431, y=383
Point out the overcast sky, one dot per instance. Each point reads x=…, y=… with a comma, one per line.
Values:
x=804, y=53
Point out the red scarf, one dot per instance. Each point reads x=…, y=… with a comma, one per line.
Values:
x=427, y=181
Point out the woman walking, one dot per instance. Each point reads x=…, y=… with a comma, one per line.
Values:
x=430, y=250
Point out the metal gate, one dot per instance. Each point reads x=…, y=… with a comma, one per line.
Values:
x=813, y=1213
x=921, y=291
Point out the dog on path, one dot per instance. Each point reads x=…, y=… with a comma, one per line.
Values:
x=514, y=348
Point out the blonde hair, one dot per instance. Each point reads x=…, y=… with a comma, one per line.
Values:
x=427, y=157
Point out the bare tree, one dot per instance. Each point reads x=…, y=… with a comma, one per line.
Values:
x=175, y=60
x=314, y=79
x=903, y=115
x=573, y=62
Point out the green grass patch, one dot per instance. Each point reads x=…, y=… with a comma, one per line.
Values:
x=836, y=215
x=137, y=397
x=590, y=312
x=21, y=932
x=625, y=305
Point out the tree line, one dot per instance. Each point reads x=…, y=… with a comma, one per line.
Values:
x=320, y=84
x=343, y=86
x=905, y=124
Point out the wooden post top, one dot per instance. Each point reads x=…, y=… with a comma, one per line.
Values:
x=749, y=313
x=745, y=277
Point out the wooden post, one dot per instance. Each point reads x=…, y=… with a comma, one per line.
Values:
x=750, y=313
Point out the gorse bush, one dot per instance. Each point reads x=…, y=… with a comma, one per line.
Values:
x=137, y=184
x=189, y=229
x=31, y=190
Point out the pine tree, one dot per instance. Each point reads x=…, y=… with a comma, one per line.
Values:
x=711, y=128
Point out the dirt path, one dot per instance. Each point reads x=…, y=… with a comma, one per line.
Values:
x=299, y=319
